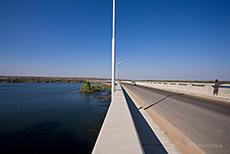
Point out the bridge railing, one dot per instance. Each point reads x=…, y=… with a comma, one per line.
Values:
x=202, y=89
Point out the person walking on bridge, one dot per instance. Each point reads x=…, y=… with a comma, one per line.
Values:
x=216, y=87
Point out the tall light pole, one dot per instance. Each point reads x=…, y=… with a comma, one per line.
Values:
x=113, y=53
x=120, y=62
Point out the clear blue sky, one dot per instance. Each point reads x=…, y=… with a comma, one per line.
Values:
x=156, y=39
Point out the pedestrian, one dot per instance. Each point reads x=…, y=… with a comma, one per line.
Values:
x=216, y=87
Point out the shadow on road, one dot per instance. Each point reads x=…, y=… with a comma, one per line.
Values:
x=160, y=101
x=148, y=139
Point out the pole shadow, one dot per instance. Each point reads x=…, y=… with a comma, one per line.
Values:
x=160, y=101
x=148, y=139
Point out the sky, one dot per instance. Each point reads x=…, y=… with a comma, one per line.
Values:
x=155, y=39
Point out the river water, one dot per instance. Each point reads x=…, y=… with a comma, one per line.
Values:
x=49, y=118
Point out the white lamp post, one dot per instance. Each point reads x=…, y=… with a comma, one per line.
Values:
x=120, y=62
x=113, y=53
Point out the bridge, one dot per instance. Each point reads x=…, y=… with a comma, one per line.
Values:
x=166, y=118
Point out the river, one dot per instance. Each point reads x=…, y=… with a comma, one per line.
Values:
x=49, y=118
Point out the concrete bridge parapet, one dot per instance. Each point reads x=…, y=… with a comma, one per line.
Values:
x=200, y=89
x=118, y=133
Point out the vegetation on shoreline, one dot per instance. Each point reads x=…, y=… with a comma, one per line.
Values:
x=87, y=87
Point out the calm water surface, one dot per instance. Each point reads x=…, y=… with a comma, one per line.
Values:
x=49, y=118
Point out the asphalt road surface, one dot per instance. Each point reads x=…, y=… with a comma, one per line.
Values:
x=205, y=122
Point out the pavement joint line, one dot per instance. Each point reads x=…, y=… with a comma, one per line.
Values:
x=165, y=141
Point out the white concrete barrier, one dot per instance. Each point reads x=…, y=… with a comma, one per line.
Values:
x=201, y=89
x=118, y=134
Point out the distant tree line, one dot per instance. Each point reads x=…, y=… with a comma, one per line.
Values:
x=41, y=80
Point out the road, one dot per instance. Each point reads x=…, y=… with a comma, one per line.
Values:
x=204, y=122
